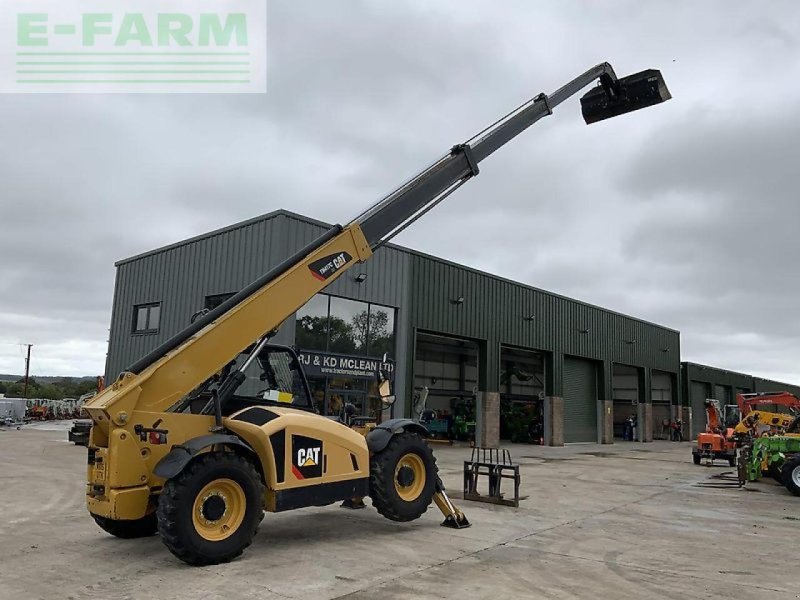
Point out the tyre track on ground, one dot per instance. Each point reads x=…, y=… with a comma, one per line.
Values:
x=62, y=490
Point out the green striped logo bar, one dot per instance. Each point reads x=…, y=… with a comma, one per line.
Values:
x=148, y=46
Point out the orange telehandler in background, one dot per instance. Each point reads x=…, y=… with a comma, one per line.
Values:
x=717, y=440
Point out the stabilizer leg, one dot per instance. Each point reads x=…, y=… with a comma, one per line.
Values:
x=354, y=503
x=453, y=517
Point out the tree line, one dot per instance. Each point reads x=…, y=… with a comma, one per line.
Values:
x=66, y=387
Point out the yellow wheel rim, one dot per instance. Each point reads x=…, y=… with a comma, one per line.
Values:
x=219, y=510
x=409, y=477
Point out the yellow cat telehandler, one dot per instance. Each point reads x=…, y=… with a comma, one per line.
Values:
x=216, y=425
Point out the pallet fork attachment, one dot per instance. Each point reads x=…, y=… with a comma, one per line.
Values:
x=496, y=465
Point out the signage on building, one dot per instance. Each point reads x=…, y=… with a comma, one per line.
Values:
x=324, y=364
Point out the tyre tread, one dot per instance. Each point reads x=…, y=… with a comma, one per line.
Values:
x=170, y=501
x=381, y=476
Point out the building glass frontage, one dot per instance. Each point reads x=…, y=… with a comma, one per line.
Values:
x=342, y=343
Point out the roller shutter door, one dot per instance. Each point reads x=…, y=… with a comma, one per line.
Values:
x=723, y=395
x=661, y=393
x=580, y=400
x=698, y=392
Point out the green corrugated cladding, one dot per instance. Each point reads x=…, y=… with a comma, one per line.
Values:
x=731, y=380
x=494, y=312
x=769, y=385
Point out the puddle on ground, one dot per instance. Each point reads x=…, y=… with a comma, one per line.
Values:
x=550, y=459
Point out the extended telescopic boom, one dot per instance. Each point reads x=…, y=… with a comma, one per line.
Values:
x=748, y=402
x=402, y=207
x=190, y=357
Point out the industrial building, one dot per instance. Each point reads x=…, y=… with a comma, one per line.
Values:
x=446, y=327
x=700, y=382
x=452, y=329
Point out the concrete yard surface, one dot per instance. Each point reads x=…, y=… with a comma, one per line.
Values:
x=621, y=521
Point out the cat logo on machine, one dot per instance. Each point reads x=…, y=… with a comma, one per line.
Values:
x=324, y=268
x=307, y=457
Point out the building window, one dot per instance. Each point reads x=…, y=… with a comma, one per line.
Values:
x=146, y=317
x=347, y=326
x=344, y=326
x=215, y=300
x=311, y=331
x=380, y=339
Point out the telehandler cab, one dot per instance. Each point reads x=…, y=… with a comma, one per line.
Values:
x=200, y=436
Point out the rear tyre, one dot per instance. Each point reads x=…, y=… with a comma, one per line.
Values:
x=774, y=471
x=790, y=473
x=128, y=530
x=696, y=459
x=402, y=478
x=209, y=513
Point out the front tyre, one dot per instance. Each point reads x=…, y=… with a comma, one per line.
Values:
x=209, y=513
x=128, y=530
x=402, y=478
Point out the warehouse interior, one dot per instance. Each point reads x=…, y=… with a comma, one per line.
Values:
x=448, y=368
x=626, y=398
x=522, y=390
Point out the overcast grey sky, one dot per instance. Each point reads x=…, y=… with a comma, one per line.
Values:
x=684, y=214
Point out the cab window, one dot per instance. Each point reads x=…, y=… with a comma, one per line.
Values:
x=275, y=377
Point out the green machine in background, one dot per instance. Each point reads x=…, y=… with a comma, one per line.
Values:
x=521, y=416
x=521, y=422
x=463, y=425
x=777, y=456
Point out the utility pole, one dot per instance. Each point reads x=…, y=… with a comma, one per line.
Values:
x=27, y=371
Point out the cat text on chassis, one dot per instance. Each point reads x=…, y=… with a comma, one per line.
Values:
x=215, y=426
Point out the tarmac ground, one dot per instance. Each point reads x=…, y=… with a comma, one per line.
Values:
x=624, y=521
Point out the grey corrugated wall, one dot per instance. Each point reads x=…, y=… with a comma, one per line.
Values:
x=419, y=286
x=770, y=385
x=494, y=312
x=182, y=275
x=730, y=380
